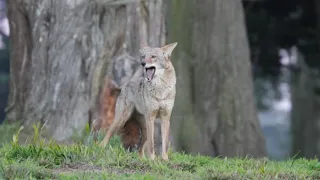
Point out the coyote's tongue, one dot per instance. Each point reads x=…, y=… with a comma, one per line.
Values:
x=150, y=73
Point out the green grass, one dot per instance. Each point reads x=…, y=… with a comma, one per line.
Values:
x=41, y=159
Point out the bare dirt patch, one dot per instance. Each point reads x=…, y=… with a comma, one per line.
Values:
x=70, y=168
x=77, y=168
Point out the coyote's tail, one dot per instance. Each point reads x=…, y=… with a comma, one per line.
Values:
x=131, y=134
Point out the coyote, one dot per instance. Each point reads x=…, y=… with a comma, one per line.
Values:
x=147, y=98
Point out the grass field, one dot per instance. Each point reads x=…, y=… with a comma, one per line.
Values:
x=42, y=159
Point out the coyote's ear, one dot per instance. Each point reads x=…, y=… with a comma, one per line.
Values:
x=142, y=46
x=167, y=49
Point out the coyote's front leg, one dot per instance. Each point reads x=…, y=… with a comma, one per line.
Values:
x=165, y=129
x=150, y=118
x=143, y=143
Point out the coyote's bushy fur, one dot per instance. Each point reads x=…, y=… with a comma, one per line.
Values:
x=148, y=98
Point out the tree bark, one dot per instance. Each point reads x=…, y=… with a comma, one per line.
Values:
x=225, y=104
x=215, y=86
x=59, y=49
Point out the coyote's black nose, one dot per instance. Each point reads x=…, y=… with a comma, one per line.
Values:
x=143, y=63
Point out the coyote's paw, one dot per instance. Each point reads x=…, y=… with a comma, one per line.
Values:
x=141, y=154
x=165, y=157
x=152, y=156
x=102, y=144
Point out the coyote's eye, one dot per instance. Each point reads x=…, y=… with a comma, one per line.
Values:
x=153, y=57
x=143, y=56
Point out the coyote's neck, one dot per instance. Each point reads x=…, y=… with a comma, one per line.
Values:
x=169, y=77
x=162, y=87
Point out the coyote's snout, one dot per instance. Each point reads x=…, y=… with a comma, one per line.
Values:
x=148, y=98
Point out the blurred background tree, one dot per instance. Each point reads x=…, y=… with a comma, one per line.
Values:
x=213, y=66
x=62, y=52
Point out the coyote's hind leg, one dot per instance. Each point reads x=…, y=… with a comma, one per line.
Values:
x=143, y=127
x=124, y=109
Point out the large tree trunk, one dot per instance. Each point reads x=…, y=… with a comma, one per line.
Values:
x=214, y=80
x=58, y=51
x=224, y=99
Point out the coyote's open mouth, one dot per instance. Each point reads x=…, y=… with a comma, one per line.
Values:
x=150, y=72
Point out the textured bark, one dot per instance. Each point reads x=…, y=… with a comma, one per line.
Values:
x=59, y=53
x=213, y=60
